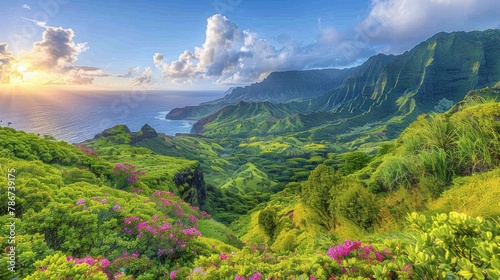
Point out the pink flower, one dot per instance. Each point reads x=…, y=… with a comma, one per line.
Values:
x=222, y=256
x=116, y=207
x=173, y=274
x=255, y=276
x=238, y=277
x=342, y=250
x=104, y=201
x=379, y=256
x=191, y=232
x=80, y=202
x=104, y=262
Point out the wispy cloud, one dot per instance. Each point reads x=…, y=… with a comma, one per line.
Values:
x=26, y=6
x=130, y=73
x=39, y=23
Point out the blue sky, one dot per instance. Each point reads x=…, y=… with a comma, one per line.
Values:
x=213, y=43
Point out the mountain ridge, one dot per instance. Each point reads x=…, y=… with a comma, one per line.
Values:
x=278, y=87
x=439, y=70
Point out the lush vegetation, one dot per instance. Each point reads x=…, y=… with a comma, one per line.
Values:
x=120, y=211
x=239, y=203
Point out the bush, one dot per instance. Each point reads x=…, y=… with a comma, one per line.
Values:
x=448, y=246
x=359, y=206
x=267, y=219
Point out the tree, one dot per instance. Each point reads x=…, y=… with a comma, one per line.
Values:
x=320, y=193
x=354, y=161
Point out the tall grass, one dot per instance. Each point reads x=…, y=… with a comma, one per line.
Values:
x=435, y=161
x=438, y=147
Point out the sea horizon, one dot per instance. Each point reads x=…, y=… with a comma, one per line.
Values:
x=75, y=116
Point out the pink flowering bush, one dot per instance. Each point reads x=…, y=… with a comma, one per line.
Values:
x=125, y=175
x=358, y=255
x=161, y=238
x=173, y=274
x=89, y=260
x=168, y=237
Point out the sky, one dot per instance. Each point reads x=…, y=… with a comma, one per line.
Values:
x=212, y=44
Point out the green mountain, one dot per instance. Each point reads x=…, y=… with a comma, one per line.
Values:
x=278, y=87
x=395, y=89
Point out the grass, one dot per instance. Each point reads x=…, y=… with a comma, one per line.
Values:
x=478, y=195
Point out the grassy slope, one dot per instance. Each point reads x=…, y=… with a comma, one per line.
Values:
x=476, y=195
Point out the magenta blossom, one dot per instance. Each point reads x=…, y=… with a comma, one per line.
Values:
x=173, y=274
x=80, y=202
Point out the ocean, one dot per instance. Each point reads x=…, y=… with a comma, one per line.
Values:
x=75, y=116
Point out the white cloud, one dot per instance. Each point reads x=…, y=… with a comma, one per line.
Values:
x=26, y=6
x=5, y=62
x=39, y=23
x=230, y=55
x=142, y=79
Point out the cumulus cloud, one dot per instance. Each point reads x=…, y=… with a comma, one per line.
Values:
x=142, y=79
x=130, y=73
x=234, y=56
x=88, y=71
x=52, y=58
x=57, y=49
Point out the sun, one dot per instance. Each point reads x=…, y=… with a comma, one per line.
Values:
x=22, y=68
x=22, y=73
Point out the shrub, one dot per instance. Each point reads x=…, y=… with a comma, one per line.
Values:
x=267, y=219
